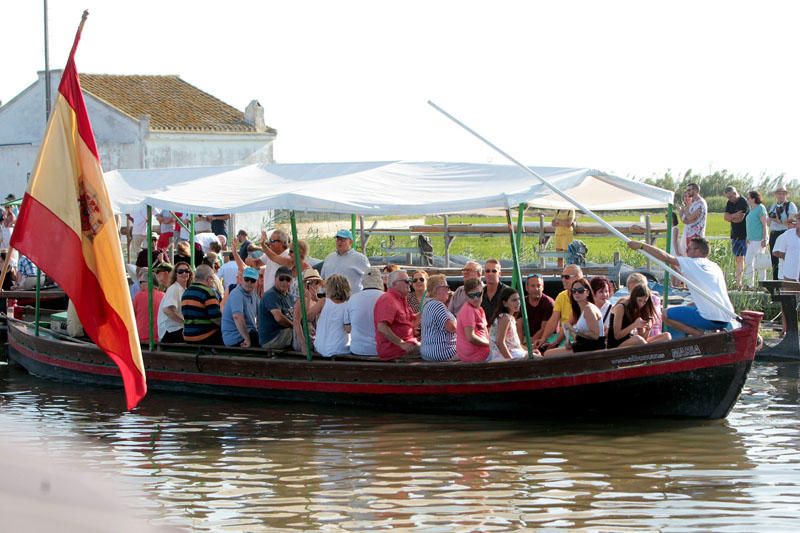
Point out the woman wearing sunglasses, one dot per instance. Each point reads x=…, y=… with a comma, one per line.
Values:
x=170, y=319
x=472, y=334
x=588, y=329
x=438, y=323
x=419, y=283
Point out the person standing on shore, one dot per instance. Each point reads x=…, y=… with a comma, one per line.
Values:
x=735, y=211
x=694, y=214
x=756, y=222
x=779, y=213
x=564, y=224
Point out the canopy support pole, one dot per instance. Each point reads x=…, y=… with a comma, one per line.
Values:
x=353, y=225
x=518, y=278
x=38, y=305
x=609, y=227
x=668, y=248
x=301, y=289
x=151, y=343
x=191, y=240
x=446, y=241
x=362, y=240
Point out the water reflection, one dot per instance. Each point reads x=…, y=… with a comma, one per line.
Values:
x=237, y=465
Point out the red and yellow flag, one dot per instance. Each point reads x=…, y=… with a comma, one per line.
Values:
x=67, y=228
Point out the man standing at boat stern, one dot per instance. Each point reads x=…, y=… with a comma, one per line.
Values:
x=701, y=271
x=275, y=324
x=346, y=261
x=200, y=309
x=239, y=315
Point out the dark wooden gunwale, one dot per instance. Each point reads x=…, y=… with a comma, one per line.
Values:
x=246, y=370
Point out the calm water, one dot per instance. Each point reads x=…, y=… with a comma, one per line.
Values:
x=214, y=465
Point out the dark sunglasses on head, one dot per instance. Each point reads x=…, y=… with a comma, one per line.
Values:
x=183, y=271
x=492, y=270
x=415, y=280
x=476, y=294
x=578, y=290
x=284, y=278
x=249, y=280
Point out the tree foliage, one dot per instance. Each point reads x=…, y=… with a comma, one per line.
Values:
x=714, y=184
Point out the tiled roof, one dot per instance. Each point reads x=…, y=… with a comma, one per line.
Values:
x=172, y=104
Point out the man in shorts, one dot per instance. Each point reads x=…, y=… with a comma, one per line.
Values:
x=735, y=211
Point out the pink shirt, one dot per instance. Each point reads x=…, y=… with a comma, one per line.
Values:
x=393, y=309
x=140, y=312
x=475, y=317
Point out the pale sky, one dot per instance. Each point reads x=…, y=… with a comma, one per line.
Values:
x=634, y=88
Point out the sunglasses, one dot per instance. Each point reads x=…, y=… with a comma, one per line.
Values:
x=183, y=271
x=468, y=270
x=492, y=270
x=417, y=280
x=273, y=241
x=579, y=290
x=567, y=276
x=476, y=294
x=249, y=280
x=284, y=278
x=405, y=280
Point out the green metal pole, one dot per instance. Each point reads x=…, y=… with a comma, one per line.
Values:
x=668, y=248
x=517, y=283
x=151, y=343
x=518, y=274
x=38, y=308
x=191, y=239
x=353, y=226
x=301, y=290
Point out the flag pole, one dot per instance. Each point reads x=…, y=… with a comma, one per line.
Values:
x=609, y=227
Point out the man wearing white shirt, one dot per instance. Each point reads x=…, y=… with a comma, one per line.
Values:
x=278, y=243
x=787, y=250
x=229, y=270
x=346, y=261
x=139, y=229
x=697, y=268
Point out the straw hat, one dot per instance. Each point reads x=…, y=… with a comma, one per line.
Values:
x=781, y=188
x=372, y=279
x=311, y=274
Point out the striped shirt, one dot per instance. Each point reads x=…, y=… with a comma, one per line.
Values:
x=438, y=344
x=201, y=313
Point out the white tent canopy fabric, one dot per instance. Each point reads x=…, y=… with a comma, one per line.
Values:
x=373, y=188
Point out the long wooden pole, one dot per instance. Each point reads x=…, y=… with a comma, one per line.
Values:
x=609, y=227
x=668, y=248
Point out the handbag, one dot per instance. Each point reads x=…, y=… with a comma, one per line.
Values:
x=763, y=260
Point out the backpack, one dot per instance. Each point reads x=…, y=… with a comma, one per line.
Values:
x=576, y=253
x=425, y=250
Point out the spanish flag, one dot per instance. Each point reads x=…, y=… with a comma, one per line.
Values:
x=67, y=228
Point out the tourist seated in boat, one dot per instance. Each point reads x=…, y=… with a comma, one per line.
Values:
x=492, y=288
x=395, y=321
x=140, y=307
x=228, y=273
x=170, y=318
x=362, y=314
x=314, y=299
x=183, y=254
x=637, y=278
x=704, y=273
x=162, y=273
x=278, y=245
x=471, y=270
x=239, y=314
x=346, y=261
x=26, y=274
x=158, y=254
x=472, y=332
x=419, y=280
x=632, y=319
x=438, y=323
x=333, y=324
x=562, y=311
x=200, y=309
x=385, y=271
x=586, y=334
x=503, y=337
x=275, y=312
x=602, y=289
x=538, y=306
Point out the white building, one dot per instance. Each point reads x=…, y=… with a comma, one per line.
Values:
x=138, y=122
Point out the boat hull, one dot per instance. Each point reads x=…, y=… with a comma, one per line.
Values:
x=699, y=378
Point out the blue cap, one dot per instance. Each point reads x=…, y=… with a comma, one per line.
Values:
x=250, y=272
x=344, y=234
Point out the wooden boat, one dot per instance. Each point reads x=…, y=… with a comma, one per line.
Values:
x=698, y=377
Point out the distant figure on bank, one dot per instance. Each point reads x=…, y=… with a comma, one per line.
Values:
x=564, y=225
x=757, y=225
x=704, y=273
x=395, y=321
x=779, y=213
x=200, y=309
x=275, y=320
x=694, y=214
x=346, y=261
x=241, y=308
x=471, y=270
x=472, y=333
x=243, y=242
x=735, y=210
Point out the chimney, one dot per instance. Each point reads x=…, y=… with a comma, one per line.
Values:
x=254, y=115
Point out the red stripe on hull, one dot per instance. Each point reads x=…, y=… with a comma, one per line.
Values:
x=66, y=265
x=384, y=388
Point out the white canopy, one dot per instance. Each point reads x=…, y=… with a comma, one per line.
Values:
x=377, y=188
